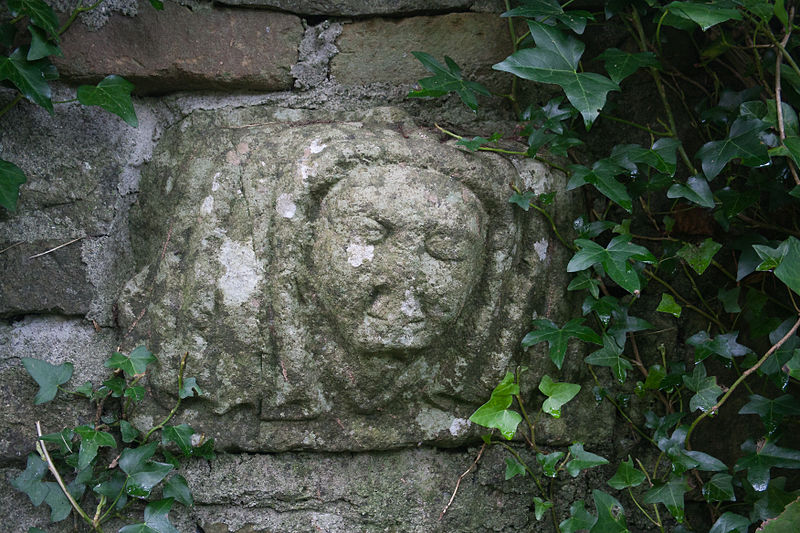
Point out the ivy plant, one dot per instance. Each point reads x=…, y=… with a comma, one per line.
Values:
x=698, y=224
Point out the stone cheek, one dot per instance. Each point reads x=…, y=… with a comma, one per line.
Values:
x=330, y=310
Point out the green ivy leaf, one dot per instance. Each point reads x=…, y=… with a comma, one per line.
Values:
x=614, y=259
x=57, y=501
x=540, y=507
x=699, y=257
x=558, y=338
x=129, y=433
x=574, y=20
x=116, y=385
x=112, y=487
x=695, y=190
x=47, y=376
x=627, y=476
x=113, y=94
x=156, y=519
x=670, y=494
x=447, y=79
x=29, y=77
x=602, y=176
x=176, y=487
x=579, y=519
x=706, y=14
x=610, y=355
x=141, y=483
x=585, y=280
x=495, y=412
x=135, y=393
x=719, y=488
x=557, y=395
x=40, y=46
x=29, y=480
x=706, y=389
x=91, y=440
x=549, y=462
x=11, y=177
x=743, y=141
x=513, y=468
x=63, y=438
x=771, y=412
x=133, y=365
x=582, y=460
x=157, y=4
x=620, y=65
x=41, y=14
x=555, y=60
x=655, y=374
x=761, y=458
x=522, y=200
x=789, y=269
x=786, y=522
x=669, y=305
x=476, y=142
x=181, y=435
x=662, y=156
x=610, y=514
x=730, y=299
x=132, y=460
x=734, y=202
x=730, y=522
x=205, y=450
x=724, y=345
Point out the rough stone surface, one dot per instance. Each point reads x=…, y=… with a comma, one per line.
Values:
x=475, y=41
x=339, y=283
x=371, y=7
x=177, y=49
x=316, y=50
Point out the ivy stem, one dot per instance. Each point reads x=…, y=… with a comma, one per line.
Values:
x=52, y=467
x=513, y=33
x=528, y=421
x=77, y=11
x=633, y=498
x=635, y=125
x=739, y=381
x=553, y=227
x=177, y=404
x=696, y=290
x=619, y=409
x=533, y=475
x=683, y=300
x=11, y=104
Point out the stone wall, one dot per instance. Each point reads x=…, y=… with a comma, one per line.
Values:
x=348, y=283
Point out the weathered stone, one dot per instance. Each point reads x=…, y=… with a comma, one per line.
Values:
x=475, y=41
x=338, y=284
x=371, y=7
x=177, y=49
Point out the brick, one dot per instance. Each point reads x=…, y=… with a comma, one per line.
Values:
x=177, y=49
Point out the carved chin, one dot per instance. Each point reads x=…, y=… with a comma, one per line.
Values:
x=376, y=335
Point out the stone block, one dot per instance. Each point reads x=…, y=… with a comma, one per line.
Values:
x=379, y=49
x=179, y=49
x=341, y=8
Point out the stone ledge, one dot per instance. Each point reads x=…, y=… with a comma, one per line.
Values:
x=177, y=49
x=370, y=7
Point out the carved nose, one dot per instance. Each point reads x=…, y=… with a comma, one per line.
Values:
x=389, y=304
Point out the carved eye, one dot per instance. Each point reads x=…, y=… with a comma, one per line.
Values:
x=370, y=230
x=447, y=247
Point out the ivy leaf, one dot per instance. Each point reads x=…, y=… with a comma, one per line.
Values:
x=116, y=385
x=730, y=522
x=205, y=450
x=627, y=476
x=585, y=280
x=580, y=519
x=620, y=65
x=113, y=94
x=602, y=176
x=129, y=433
x=496, y=413
x=48, y=376
x=29, y=77
x=540, y=506
x=771, y=411
x=662, y=156
x=156, y=519
x=113, y=487
x=743, y=141
x=610, y=355
x=447, y=79
x=610, y=514
x=669, y=305
x=141, y=483
x=614, y=259
x=724, y=345
x=555, y=60
x=574, y=20
x=549, y=462
x=706, y=389
x=670, y=494
x=63, y=438
x=582, y=460
x=132, y=460
x=91, y=440
x=513, y=468
x=135, y=393
x=133, y=365
x=730, y=299
x=557, y=395
x=699, y=257
x=523, y=200
x=41, y=46
x=705, y=15
x=761, y=457
x=719, y=488
x=696, y=190
x=786, y=522
x=29, y=480
x=789, y=269
x=181, y=435
x=176, y=487
x=11, y=177
x=476, y=142
x=557, y=338
x=158, y=5
x=57, y=501
x=39, y=12
x=734, y=202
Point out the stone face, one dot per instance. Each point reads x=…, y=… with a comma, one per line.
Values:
x=370, y=7
x=339, y=284
x=177, y=49
x=379, y=50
